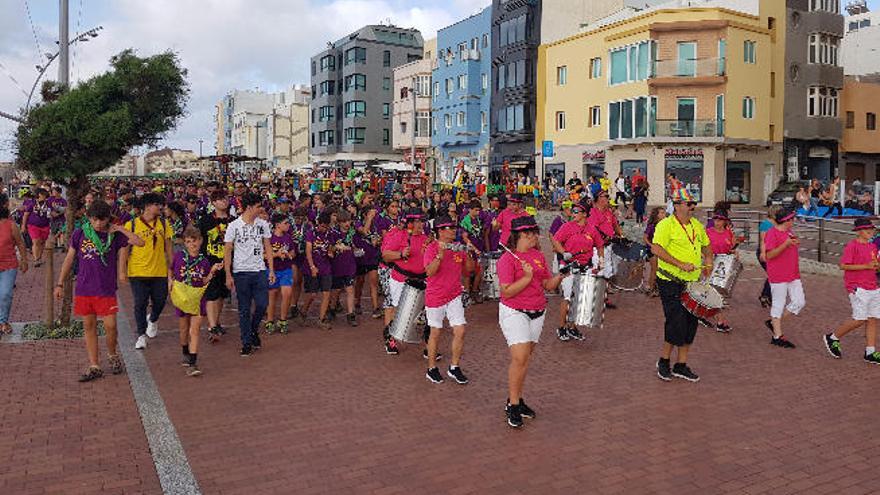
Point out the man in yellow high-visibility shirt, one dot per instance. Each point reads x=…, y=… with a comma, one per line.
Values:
x=147, y=267
x=682, y=248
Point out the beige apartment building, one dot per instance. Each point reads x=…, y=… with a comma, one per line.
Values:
x=414, y=75
x=860, y=146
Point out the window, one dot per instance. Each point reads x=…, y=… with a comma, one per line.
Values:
x=313, y=140
x=449, y=86
x=423, y=85
x=484, y=82
x=356, y=108
x=722, y=57
x=386, y=137
x=355, y=135
x=459, y=119
x=403, y=128
x=822, y=102
x=850, y=120
x=748, y=107
x=738, y=183
x=447, y=123
x=326, y=113
x=484, y=122
x=871, y=121
x=749, y=52
x=314, y=71
x=462, y=51
x=562, y=75
x=629, y=118
x=325, y=138
x=327, y=87
x=386, y=110
x=511, y=118
x=595, y=117
x=386, y=58
x=631, y=63
x=832, y=6
x=560, y=121
x=719, y=115
x=512, y=31
x=485, y=40
x=502, y=77
x=355, y=55
x=687, y=59
x=423, y=124
x=386, y=84
x=433, y=126
x=328, y=63
x=595, y=68
x=356, y=82
x=436, y=89
x=823, y=49
x=462, y=81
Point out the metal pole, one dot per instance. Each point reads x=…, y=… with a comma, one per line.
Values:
x=200, y=148
x=415, y=123
x=876, y=198
x=63, y=44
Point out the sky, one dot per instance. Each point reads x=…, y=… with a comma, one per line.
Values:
x=224, y=44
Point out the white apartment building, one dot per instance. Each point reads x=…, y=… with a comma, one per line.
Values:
x=414, y=75
x=860, y=50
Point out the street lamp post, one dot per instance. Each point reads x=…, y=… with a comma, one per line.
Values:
x=84, y=37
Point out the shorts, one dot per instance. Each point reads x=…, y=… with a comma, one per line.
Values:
x=395, y=288
x=865, y=304
x=793, y=291
x=95, y=305
x=680, y=327
x=38, y=233
x=365, y=269
x=453, y=311
x=384, y=277
x=321, y=283
x=217, y=290
x=342, y=282
x=283, y=278
x=517, y=327
x=566, y=286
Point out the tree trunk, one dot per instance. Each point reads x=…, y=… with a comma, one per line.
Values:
x=49, y=270
x=76, y=190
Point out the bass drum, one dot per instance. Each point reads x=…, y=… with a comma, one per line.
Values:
x=629, y=265
x=587, y=307
x=491, y=288
x=405, y=327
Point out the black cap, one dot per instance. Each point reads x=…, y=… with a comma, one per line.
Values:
x=520, y=224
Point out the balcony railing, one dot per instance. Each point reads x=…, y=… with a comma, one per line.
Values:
x=697, y=67
x=689, y=128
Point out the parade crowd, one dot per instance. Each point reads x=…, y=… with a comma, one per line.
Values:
x=298, y=251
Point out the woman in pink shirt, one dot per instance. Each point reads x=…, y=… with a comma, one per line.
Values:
x=443, y=266
x=781, y=252
x=721, y=241
x=504, y=219
x=523, y=276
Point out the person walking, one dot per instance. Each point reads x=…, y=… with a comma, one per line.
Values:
x=10, y=264
x=247, y=253
x=147, y=267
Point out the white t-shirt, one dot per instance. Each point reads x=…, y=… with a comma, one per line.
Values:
x=247, y=239
x=620, y=183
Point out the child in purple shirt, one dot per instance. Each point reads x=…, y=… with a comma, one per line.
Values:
x=344, y=263
x=318, y=271
x=283, y=252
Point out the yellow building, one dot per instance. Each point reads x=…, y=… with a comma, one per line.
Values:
x=681, y=90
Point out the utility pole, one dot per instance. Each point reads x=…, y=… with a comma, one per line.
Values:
x=415, y=122
x=63, y=44
x=200, y=147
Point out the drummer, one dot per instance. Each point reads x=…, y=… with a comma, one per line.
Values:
x=604, y=222
x=721, y=241
x=575, y=242
x=403, y=249
x=504, y=220
x=682, y=248
x=443, y=297
x=472, y=230
x=523, y=277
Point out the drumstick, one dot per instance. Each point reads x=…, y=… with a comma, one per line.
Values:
x=511, y=252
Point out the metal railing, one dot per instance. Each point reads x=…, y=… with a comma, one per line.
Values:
x=690, y=67
x=689, y=128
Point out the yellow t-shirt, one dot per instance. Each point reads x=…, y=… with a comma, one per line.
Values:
x=149, y=260
x=683, y=242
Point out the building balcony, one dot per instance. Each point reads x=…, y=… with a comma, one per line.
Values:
x=689, y=128
x=692, y=72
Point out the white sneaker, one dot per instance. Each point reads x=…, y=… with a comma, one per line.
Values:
x=141, y=342
x=152, y=329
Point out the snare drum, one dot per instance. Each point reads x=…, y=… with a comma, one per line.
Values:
x=702, y=300
x=725, y=272
x=628, y=261
x=587, y=306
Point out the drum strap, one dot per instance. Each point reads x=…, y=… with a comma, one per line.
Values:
x=671, y=277
x=406, y=273
x=533, y=315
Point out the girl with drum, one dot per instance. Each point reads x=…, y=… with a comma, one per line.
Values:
x=783, y=271
x=721, y=241
x=524, y=277
x=575, y=242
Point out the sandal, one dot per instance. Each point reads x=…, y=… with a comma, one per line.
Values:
x=91, y=373
x=116, y=365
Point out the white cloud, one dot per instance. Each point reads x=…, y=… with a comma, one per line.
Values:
x=224, y=44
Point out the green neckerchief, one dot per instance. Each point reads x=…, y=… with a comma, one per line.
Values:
x=349, y=236
x=473, y=227
x=100, y=247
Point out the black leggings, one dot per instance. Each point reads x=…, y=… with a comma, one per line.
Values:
x=833, y=207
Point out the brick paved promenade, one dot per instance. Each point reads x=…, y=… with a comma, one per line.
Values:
x=328, y=412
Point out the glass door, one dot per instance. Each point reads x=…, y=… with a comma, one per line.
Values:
x=687, y=59
x=686, y=115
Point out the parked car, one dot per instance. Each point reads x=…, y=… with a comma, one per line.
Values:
x=785, y=193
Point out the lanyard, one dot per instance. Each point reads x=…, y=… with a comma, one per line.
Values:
x=691, y=239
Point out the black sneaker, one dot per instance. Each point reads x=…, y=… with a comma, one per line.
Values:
x=873, y=358
x=681, y=370
x=706, y=323
x=562, y=334
x=352, y=320
x=457, y=375
x=438, y=357
x=832, y=345
x=434, y=375
x=257, y=344
x=576, y=334
x=391, y=347
x=246, y=351
x=769, y=325
x=663, y=371
x=782, y=342
x=723, y=328
x=609, y=304
x=514, y=416
x=525, y=411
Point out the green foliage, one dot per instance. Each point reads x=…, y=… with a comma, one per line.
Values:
x=90, y=127
x=39, y=331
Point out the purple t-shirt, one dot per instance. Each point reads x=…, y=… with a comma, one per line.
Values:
x=94, y=277
x=285, y=245
x=371, y=252
x=344, y=263
x=494, y=235
x=557, y=224
x=321, y=242
x=474, y=230
x=192, y=271
x=39, y=212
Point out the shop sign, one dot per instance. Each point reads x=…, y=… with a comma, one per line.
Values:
x=684, y=153
x=593, y=156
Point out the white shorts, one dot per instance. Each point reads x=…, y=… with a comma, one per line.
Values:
x=566, y=286
x=453, y=311
x=395, y=288
x=517, y=327
x=607, y=270
x=792, y=291
x=865, y=304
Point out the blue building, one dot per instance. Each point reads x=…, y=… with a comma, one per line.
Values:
x=461, y=94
